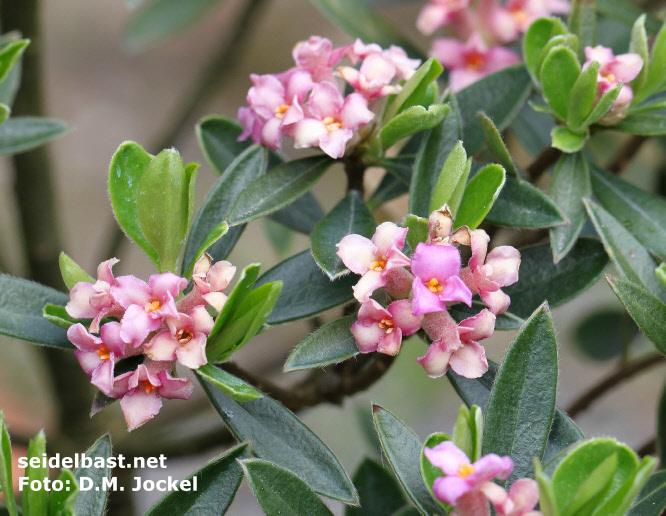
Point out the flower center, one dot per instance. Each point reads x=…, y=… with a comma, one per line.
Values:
x=147, y=386
x=332, y=124
x=378, y=265
x=386, y=324
x=103, y=352
x=153, y=307
x=184, y=336
x=434, y=286
x=281, y=110
x=610, y=77
x=465, y=469
x=519, y=16
x=475, y=61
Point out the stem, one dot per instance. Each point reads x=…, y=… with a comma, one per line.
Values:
x=648, y=448
x=355, y=171
x=626, y=153
x=542, y=163
x=611, y=381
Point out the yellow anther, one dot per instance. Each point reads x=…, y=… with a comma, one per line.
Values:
x=434, y=286
x=147, y=386
x=103, y=353
x=465, y=469
x=154, y=306
x=281, y=110
x=386, y=323
x=520, y=16
x=331, y=124
x=184, y=336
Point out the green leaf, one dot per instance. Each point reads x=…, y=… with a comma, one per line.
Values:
x=660, y=272
x=359, y=21
x=468, y=432
x=522, y=205
x=603, y=105
x=279, y=491
x=125, y=172
x=430, y=472
x=582, y=98
x=71, y=272
x=378, y=491
x=218, y=203
x=567, y=140
x=20, y=134
x=21, y=307
x=640, y=212
x=159, y=19
x=213, y=236
x=625, y=12
x=57, y=315
x=499, y=95
x=10, y=55
x=400, y=167
x=402, y=449
x=568, y=40
x=639, y=46
x=413, y=91
x=522, y=402
x=238, y=295
x=231, y=386
x=218, y=139
x=350, y=215
x=558, y=75
x=592, y=487
x=302, y=215
x=454, y=170
x=418, y=230
x=433, y=152
x=93, y=502
x=281, y=186
x=540, y=279
x=643, y=124
x=163, y=207
x=330, y=344
x=4, y=113
x=410, y=121
x=628, y=255
x=570, y=185
x=217, y=483
x=306, y=290
x=496, y=146
x=61, y=503
x=546, y=495
x=35, y=503
x=505, y=321
x=6, y=468
x=602, y=334
x=278, y=436
x=537, y=36
x=656, y=71
x=583, y=23
x=646, y=310
x=479, y=196
x=652, y=499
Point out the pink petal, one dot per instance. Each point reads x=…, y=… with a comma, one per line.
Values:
x=498, y=58
x=84, y=341
x=334, y=143
x=600, y=54
x=140, y=407
x=524, y=493
x=626, y=67
x=447, y=457
x=102, y=376
x=166, y=285
x=193, y=354
x=271, y=133
x=88, y=360
x=367, y=336
x=389, y=235
x=497, y=301
x=456, y=290
x=391, y=342
x=174, y=388
x=495, y=494
x=130, y=290
x=503, y=26
x=436, y=361
x=479, y=241
x=479, y=327
x=450, y=52
x=136, y=325
x=110, y=334
x=425, y=301
x=298, y=84
x=325, y=100
x=162, y=347
x=461, y=78
x=307, y=133
x=505, y=261
x=79, y=301
x=449, y=489
x=469, y=360
x=104, y=270
x=369, y=282
x=438, y=262
x=201, y=319
x=216, y=300
x=490, y=466
x=354, y=112
x=401, y=313
x=396, y=260
x=472, y=503
x=357, y=253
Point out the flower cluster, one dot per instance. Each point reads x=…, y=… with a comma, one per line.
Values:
x=307, y=104
x=479, y=30
x=421, y=294
x=469, y=487
x=131, y=317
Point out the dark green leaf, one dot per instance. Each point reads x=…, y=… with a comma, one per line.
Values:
x=350, y=215
x=661, y=426
x=216, y=207
x=389, y=188
x=280, y=492
x=522, y=205
x=302, y=215
x=505, y=321
x=400, y=167
x=648, y=312
x=536, y=37
x=602, y=334
x=533, y=128
x=213, y=236
x=402, y=449
x=379, y=492
x=93, y=502
x=454, y=171
x=330, y=344
x=218, y=139
x=499, y=95
x=429, y=472
x=278, y=436
x=567, y=140
x=306, y=289
x=571, y=184
x=496, y=145
x=558, y=75
x=652, y=499
x=642, y=124
x=626, y=12
x=21, y=306
x=479, y=196
x=281, y=186
x=35, y=503
x=6, y=485
x=582, y=22
x=522, y=402
x=582, y=97
x=231, y=386
x=159, y=19
x=61, y=503
x=629, y=256
x=217, y=483
x=412, y=94
x=563, y=433
x=71, y=272
x=20, y=134
x=540, y=279
x=410, y=121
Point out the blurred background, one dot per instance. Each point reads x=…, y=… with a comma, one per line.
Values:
x=108, y=93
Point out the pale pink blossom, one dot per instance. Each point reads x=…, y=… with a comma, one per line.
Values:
x=404, y=66
x=209, y=281
x=437, y=13
x=381, y=329
x=521, y=499
x=374, y=78
x=499, y=270
x=457, y=346
x=317, y=56
x=468, y=62
x=373, y=259
x=506, y=22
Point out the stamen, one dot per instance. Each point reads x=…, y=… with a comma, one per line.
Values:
x=147, y=386
x=434, y=286
x=610, y=77
x=465, y=469
x=379, y=265
x=386, y=323
x=184, y=336
x=475, y=61
x=153, y=307
x=103, y=352
x=332, y=124
x=281, y=110
x=519, y=16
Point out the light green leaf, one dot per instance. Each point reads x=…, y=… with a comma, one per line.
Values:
x=592, y=487
x=330, y=344
x=350, y=215
x=568, y=40
x=71, y=272
x=57, y=315
x=558, y=75
x=35, y=503
x=413, y=91
x=93, y=502
x=603, y=105
x=281, y=186
x=537, y=36
x=20, y=134
x=656, y=71
x=582, y=98
x=479, y=196
x=61, y=503
x=10, y=55
x=231, y=386
x=496, y=146
x=418, y=230
x=639, y=45
x=213, y=236
x=582, y=22
x=378, y=490
x=454, y=171
x=660, y=272
x=648, y=124
x=430, y=472
x=6, y=468
x=410, y=121
x=567, y=140
x=546, y=496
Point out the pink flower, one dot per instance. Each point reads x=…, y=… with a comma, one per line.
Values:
x=500, y=270
x=98, y=355
x=519, y=501
x=373, y=259
x=461, y=476
x=437, y=13
x=185, y=340
x=614, y=70
x=436, y=269
x=506, y=23
x=373, y=79
x=457, y=345
x=146, y=304
x=94, y=300
x=141, y=392
x=404, y=66
x=331, y=120
x=317, y=56
x=210, y=281
x=380, y=329
x=471, y=61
